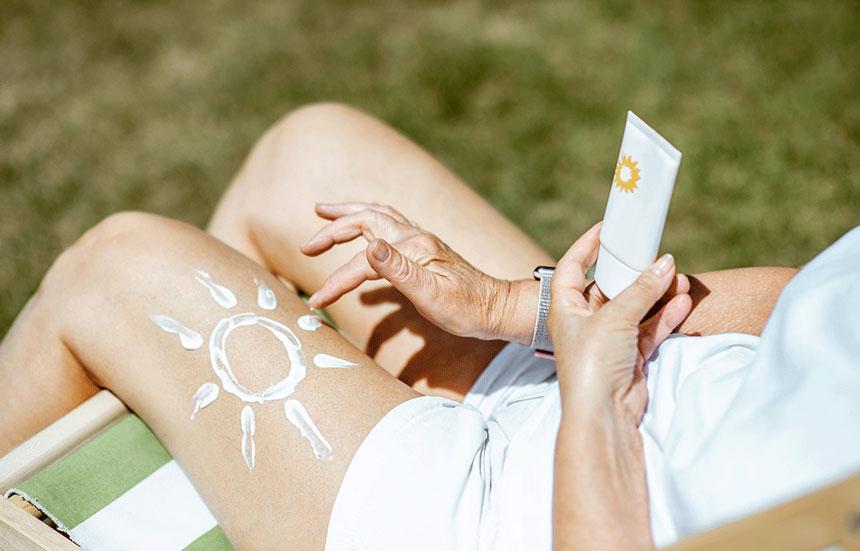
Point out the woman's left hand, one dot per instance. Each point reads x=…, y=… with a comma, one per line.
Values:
x=442, y=285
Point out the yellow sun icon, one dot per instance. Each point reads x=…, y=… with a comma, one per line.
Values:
x=626, y=174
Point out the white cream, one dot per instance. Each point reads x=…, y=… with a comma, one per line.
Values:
x=638, y=202
x=190, y=340
x=205, y=395
x=249, y=427
x=298, y=416
x=328, y=361
x=208, y=392
x=220, y=294
x=266, y=298
x=221, y=365
x=309, y=322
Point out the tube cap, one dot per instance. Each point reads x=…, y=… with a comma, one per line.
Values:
x=612, y=275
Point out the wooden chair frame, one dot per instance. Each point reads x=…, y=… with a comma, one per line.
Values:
x=19, y=529
x=827, y=517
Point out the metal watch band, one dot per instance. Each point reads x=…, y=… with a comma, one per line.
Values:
x=541, y=340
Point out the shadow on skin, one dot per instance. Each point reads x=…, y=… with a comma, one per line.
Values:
x=445, y=362
x=698, y=292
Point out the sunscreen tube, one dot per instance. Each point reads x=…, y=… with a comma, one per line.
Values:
x=638, y=202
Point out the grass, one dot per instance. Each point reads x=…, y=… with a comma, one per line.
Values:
x=152, y=105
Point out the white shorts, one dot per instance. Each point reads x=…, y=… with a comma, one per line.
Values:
x=734, y=424
x=439, y=475
x=423, y=477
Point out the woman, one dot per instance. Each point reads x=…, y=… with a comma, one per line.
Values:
x=408, y=471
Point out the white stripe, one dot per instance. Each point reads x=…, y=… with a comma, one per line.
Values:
x=163, y=511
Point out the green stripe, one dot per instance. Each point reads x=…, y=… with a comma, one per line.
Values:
x=94, y=475
x=213, y=540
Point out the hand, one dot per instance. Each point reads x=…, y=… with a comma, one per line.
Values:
x=600, y=355
x=445, y=288
x=600, y=358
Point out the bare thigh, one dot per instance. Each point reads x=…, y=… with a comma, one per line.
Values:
x=96, y=305
x=331, y=153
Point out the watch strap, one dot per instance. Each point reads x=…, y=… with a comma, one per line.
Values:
x=541, y=340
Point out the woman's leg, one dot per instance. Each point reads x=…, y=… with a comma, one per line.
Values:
x=331, y=153
x=40, y=379
x=92, y=320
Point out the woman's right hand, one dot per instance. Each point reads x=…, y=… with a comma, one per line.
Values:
x=600, y=498
x=600, y=357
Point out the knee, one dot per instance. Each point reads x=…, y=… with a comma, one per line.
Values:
x=314, y=146
x=121, y=225
x=109, y=243
x=328, y=135
x=121, y=232
x=315, y=123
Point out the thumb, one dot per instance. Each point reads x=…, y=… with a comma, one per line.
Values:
x=636, y=300
x=401, y=271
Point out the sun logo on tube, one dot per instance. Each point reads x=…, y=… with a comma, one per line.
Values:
x=626, y=174
x=294, y=411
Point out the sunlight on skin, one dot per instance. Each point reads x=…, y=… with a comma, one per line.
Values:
x=208, y=392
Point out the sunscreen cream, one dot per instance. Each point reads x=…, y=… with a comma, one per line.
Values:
x=637, y=206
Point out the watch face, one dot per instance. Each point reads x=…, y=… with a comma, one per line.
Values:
x=543, y=271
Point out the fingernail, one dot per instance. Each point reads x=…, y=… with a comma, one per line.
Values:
x=380, y=251
x=662, y=266
x=311, y=299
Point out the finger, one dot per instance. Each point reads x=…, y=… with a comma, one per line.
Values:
x=366, y=223
x=402, y=272
x=595, y=297
x=571, y=268
x=680, y=285
x=634, y=302
x=343, y=280
x=331, y=211
x=658, y=328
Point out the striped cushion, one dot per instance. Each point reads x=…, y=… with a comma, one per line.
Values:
x=122, y=490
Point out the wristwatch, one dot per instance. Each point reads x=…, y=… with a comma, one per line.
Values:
x=541, y=341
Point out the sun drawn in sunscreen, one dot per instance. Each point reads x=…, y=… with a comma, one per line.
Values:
x=309, y=322
x=294, y=411
x=627, y=174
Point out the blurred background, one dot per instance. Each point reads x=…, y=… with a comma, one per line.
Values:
x=152, y=105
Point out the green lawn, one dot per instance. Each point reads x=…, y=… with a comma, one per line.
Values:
x=152, y=105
